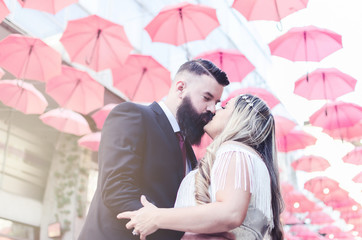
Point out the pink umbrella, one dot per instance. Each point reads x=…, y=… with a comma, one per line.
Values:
x=262, y=93
x=328, y=83
x=96, y=42
x=306, y=44
x=100, y=116
x=347, y=133
x=319, y=185
x=337, y=194
x=294, y=140
x=235, y=64
x=142, y=79
x=319, y=217
x=27, y=57
x=22, y=96
x=310, y=164
x=50, y=6
x=283, y=126
x=297, y=202
x=2, y=73
x=66, y=121
x=354, y=157
x=181, y=23
x=267, y=9
x=90, y=141
x=357, y=178
x=4, y=11
x=329, y=229
x=290, y=218
x=336, y=115
x=76, y=90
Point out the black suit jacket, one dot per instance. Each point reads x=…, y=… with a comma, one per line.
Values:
x=139, y=154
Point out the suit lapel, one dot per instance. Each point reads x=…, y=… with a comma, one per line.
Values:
x=165, y=125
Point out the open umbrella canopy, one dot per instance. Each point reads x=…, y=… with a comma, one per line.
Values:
x=181, y=23
x=294, y=140
x=357, y=178
x=320, y=185
x=319, y=217
x=306, y=44
x=30, y=58
x=50, y=6
x=142, y=79
x=297, y=202
x=268, y=9
x=90, y=141
x=76, y=90
x=283, y=126
x=328, y=83
x=354, y=156
x=348, y=133
x=22, y=96
x=100, y=115
x=67, y=121
x=232, y=62
x=262, y=93
x=336, y=115
x=96, y=42
x=4, y=11
x=310, y=164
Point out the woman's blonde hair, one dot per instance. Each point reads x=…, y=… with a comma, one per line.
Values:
x=252, y=124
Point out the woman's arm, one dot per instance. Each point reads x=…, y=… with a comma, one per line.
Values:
x=226, y=213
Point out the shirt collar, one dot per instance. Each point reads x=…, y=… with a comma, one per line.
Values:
x=171, y=118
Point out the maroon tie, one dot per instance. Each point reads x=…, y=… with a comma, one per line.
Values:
x=183, y=148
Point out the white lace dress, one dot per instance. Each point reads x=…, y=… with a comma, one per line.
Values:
x=258, y=220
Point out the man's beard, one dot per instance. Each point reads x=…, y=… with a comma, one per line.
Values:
x=192, y=123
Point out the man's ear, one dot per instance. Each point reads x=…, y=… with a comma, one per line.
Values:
x=180, y=87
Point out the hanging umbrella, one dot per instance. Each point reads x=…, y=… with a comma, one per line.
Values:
x=338, y=194
x=336, y=115
x=142, y=79
x=310, y=164
x=357, y=178
x=96, y=42
x=22, y=96
x=319, y=185
x=50, y=6
x=354, y=157
x=181, y=23
x=235, y=64
x=329, y=229
x=289, y=218
x=328, y=83
x=297, y=202
x=76, y=90
x=2, y=73
x=319, y=217
x=283, y=126
x=4, y=11
x=30, y=58
x=100, y=116
x=347, y=202
x=90, y=141
x=273, y=10
x=262, y=93
x=306, y=44
x=294, y=140
x=67, y=121
x=347, y=133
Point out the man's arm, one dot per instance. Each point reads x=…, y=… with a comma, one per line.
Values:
x=120, y=158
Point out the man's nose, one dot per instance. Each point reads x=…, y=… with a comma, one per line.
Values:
x=211, y=108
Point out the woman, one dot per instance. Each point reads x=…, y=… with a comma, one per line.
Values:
x=235, y=190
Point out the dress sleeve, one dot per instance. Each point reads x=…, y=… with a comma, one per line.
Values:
x=250, y=174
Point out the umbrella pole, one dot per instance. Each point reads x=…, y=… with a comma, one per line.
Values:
x=144, y=70
x=89, y=60
x=184, y=33
x=279, y=24
x=306, y=52
x=6, y=148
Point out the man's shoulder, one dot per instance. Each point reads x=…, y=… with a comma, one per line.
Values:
x=130, y=106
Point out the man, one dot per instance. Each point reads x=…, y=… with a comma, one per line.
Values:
x=142, y=153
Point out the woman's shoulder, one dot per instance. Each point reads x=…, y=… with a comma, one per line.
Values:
x=236, y=146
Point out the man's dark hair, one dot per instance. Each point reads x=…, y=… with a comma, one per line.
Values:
x=202, y=66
